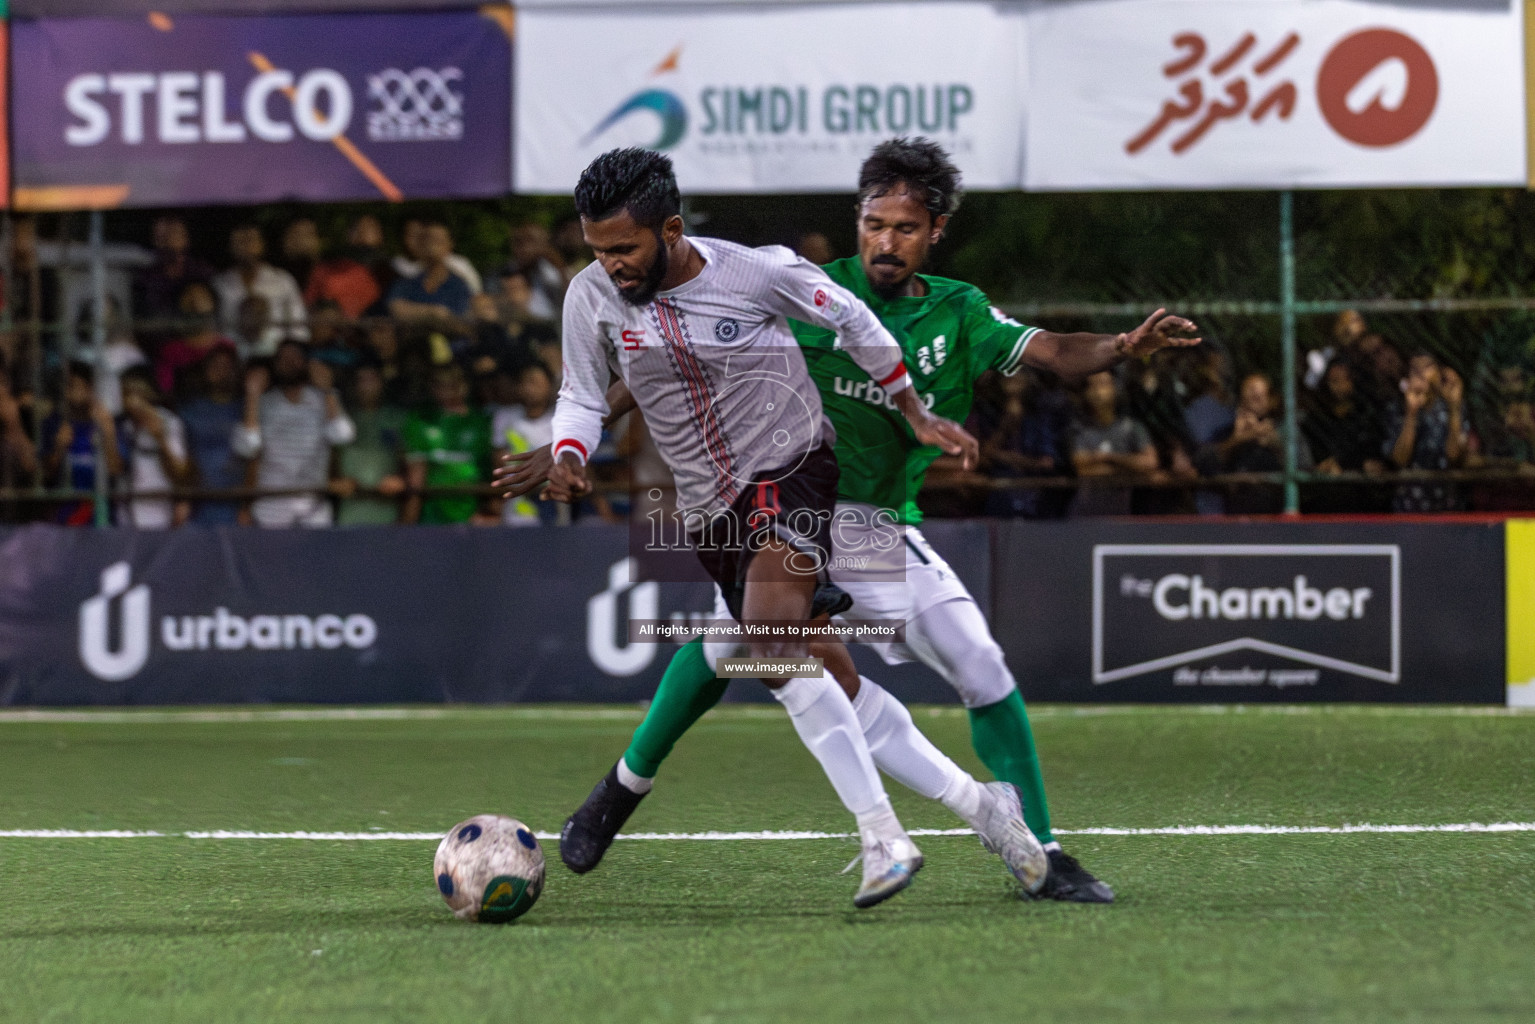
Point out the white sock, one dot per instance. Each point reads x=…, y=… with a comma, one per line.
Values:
x=829, y=729
x=963, y=797
x=903, y=753
x=632, y=782
x=880, y=823
x=1052, y=847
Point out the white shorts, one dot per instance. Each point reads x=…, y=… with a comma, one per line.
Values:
x=891, y=573
x=944, y=627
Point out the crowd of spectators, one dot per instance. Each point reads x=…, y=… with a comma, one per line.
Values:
x=360, y=384
x=1379, y=431
x=308, y=387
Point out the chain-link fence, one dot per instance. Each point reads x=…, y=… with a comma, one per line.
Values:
x=1394, y=374
x=1404, y=376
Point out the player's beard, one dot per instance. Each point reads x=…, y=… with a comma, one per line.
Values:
x=641, y=294
x=896, y=289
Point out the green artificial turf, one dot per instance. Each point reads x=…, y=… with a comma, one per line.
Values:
x=1352, y=927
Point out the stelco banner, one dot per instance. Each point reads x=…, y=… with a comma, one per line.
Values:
x=204, y=109
x=196, y=616
x=769, y=100
x=1252, y=612
x=1274, y=94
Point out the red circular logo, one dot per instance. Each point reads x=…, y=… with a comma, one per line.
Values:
x=820, y=297
x=1377, y=87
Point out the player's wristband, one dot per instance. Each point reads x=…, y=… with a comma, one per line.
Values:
x=896, y=381
x=569, y=444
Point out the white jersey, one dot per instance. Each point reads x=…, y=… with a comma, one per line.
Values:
x=714, y=367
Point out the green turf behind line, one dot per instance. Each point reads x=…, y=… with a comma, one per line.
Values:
x=1329, y=927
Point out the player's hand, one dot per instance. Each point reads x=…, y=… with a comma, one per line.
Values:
x=517, y=473
x=1158, y=332
x=567, y=480
x=949, y=436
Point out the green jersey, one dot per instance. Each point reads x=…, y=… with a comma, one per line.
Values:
x=456, y=450
x=950, y=336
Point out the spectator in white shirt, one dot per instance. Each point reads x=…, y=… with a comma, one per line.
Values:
x=155, y=449
x=288, y=433
x=411, y=264
x=252, y=276
x=536, y=258
x=523, y=428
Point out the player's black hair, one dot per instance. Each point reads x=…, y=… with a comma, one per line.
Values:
x=82, y=370
x=637, y=180
x=920, y=165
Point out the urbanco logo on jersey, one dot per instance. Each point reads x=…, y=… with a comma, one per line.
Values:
x=1245, y=614
x=123, y=658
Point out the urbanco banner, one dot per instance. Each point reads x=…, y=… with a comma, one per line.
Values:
x=770, y=99
x=1252, y=612
x=178, y=110
x=369, y=615
x=1169, y=94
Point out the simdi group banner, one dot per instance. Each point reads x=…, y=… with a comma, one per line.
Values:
x=1142, y=94
x=169, y=110
x=771, y=99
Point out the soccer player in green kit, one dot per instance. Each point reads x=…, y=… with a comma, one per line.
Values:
x=951, y=335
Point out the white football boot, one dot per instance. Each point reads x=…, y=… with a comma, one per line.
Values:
x=1003, y=832
x=889, y=865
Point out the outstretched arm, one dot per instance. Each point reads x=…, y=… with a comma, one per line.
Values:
x=803, y=291
x=582, y=402
x=1082, y=354
x=517, y=473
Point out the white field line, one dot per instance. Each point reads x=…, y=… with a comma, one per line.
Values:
x=1172, y=830
x=118, y=716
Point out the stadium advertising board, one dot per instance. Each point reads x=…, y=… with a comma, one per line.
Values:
x=422, y=614
x=1147, y=94
x=768, y=100
x=1251, y=612
x=177, y=110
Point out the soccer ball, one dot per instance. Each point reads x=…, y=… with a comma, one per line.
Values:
x=489, y=869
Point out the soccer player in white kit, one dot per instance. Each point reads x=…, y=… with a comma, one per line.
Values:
x=697, y=330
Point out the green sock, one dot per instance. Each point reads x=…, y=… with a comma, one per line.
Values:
x=687, y=690
x=1004, y=742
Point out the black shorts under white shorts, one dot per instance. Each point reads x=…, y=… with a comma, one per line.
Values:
x=794, y=506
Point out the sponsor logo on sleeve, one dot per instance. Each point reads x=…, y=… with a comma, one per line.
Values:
x=1246, y=614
